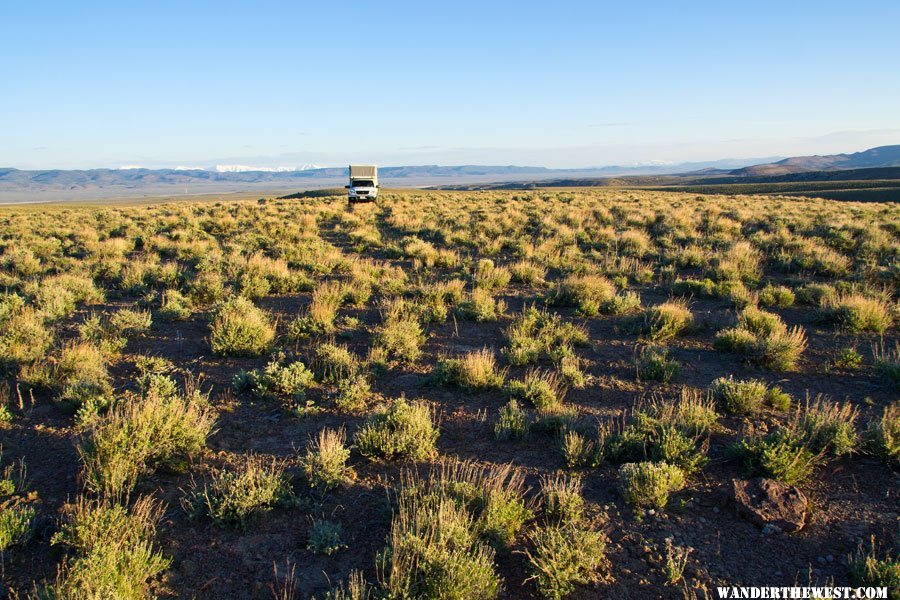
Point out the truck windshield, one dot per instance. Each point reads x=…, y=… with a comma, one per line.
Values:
x=362, y=183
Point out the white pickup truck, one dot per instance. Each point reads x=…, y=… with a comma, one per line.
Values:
x=363, y=183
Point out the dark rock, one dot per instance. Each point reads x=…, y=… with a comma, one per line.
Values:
x=767, y=502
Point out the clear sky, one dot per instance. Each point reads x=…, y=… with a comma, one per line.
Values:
x=561, y=84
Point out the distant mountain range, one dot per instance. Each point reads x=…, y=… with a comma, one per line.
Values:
x=39, y=186
x=883, y=156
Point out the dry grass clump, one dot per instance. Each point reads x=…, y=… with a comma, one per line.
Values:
x=858, y=313
x=764, y=338
x=401, y=335
x=325, y=462
x=586, y=293
x=665, y=321
x=475, y=370
x=541, y=389
x=882, y=436
x=748, y=396
x=481, y=306
x=513, y=422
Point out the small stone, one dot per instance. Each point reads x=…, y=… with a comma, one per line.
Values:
x=830, y=558
x=716, y=509
x=769, y=529
x=821, y=560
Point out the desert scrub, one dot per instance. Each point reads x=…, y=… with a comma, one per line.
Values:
x=779, y=296
x=140, y=436
x=648, y=484
x=488, y=276
x=586, y=293
x=565, y=556
x=622, y=304
x=887, y=363
x=15, y=525
x=400, y=430
x=528, y=272
x=859, y=313
x=325, y=461
x=868, y=570
x=493, y=496
x=741, y=262
x=699, y=288
x=130, y=322
x=655, y=364
x=782, y=455
x=472, y=371
x=828, y=427
x=401, y=337
x=480, y=306
x=664, y=321
x=355, y=588
x=239, y=328
x=433, y=552
x=882, y=436
x=24, y=338
x=113, y=554
x=513, y=423
x=175, y=306
x=561, y=499
x=321, y=313
x=280, y=378
x=536, y=334
x=81, y=380
x=325, y=537
x=764, y=338
x=744, y=397
x=234, y=496
x=578, y=451
x=541, y=389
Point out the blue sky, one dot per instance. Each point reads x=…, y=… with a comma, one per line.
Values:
x=563, y=84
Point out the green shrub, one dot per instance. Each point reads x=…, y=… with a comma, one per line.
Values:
x=779, y=296
x=739, y=397
x=764, y=338
x=481, y=306
x=622, y=304
x=175, y=306
x=353, y=393
x=24, y=338
x=15, y=525
x=541, y=389
x=577, y=450
x=140, y=436
x=334, y=363
x=325, y=462
x=527, y=272
x=433, y=552
x=493, y=496
x=400, y=430
x=278, y=379
x=401, y=338
x=234, y=496
x=887, y=362
x=828, y=426
x=81, y=380
x=565, y=557
x=490, y=277
x=655, y=364
x=513, y=422
x=130, y=322
x=114, y=555
x=539, y=334
x=325, y=537
x=648, y=484
x=882, y=436
x=241, y=329
x=781, y=455
x=473, y=371
x=847, y=358
x=868, y=570
x=700, y=288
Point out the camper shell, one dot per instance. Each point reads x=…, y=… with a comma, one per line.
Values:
x=363, y=185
